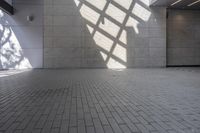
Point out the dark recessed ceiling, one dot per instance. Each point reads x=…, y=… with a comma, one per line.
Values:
x=183, y=4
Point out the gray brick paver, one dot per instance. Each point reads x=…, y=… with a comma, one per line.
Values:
x=134, y=101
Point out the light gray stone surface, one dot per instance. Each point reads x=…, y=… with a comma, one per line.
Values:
x=183, y=46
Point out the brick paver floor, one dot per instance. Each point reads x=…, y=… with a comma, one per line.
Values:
x=101, y=101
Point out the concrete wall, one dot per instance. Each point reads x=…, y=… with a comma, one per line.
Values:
x=21, y=42
x=97, y=33
x=183, y=46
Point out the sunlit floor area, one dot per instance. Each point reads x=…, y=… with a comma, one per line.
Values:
x=101, y=101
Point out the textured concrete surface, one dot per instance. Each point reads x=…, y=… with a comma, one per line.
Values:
x=100, y=101
x=183, y=46
x=93, y=34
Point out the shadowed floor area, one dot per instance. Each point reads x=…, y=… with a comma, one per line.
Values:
x=101, y=101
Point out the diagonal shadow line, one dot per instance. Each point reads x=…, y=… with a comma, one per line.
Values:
x=102, y=14
x=122, y=26
x=126, y=11
x=143, y=5
x=96, y=27
x=120, y=31
x=106, y=34
x=113, y=56
x=120, y=6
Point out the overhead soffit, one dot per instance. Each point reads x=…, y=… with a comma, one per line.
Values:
x=177, y=4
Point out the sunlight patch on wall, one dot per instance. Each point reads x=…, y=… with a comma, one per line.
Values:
x=1, y=14
x=120, y=52
x=115, y=13
x=113, y=64
x=146, y=2
x=124, y=3
x=100, y=4
x=77, y=2
x=11, y=53
x=109, y=27
x=123, y=37
x=103, y=41
x=103, y=55
x=1, y=27
x=141, y=12
x=89, y=14
x=90, y=29
x=133, y=23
